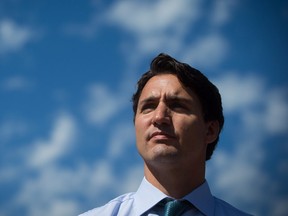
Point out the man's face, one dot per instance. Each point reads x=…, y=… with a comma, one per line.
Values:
x=169, y=123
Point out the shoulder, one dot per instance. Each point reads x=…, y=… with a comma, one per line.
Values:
x=223, y=208
x=124, y=201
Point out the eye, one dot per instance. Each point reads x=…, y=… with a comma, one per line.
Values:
x=148, y=107
x=178, y=106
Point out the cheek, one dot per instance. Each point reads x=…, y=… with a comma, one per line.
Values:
x=141, y=126
x=190, y=130
x=138, y=131
x=139, y=138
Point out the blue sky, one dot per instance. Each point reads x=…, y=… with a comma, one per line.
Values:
x=67, y=73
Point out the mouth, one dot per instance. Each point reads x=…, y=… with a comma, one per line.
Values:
x=160, y=135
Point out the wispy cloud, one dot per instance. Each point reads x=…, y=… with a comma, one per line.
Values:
x=239, y=91
x=132, y=178
x=52, y=180
x=276, y=116
x=102, y=104
x=222, y=11
x=208, y=51
x=16, y=83
x=41, y=195
x=62, y=136
x=153, y=17
x=162, y=26
x=13, y=36
x=238, y=174
x=261, y=107
x=151, y=26
x=233, y=175
x=159, y=25
x=121, y=138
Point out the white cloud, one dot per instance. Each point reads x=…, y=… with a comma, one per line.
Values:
x=276, y=117
x=51, y=192
x=262, y=108
x=238, y=174
x=240, y=177
x=132, y=179
x=237, y=177
x=13, y=36
x=208, y=51
x=101, y=178
x=57, y=207
x=16, y=83
x=162, y=26
x=62, y=136
x=271, y=118
x=154, y=16
x=56, y=188
x=122, y=136
x=234, y=172
x=102, y=104
x=155, y=25
x=221, y=11
x=239, y=91
x=152, y=25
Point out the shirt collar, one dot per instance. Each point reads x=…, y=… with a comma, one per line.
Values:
x=202, y=199
x=148, y=196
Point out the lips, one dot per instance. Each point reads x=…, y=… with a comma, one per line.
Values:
x=161, y=135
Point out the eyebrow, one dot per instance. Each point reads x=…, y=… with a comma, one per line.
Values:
x=152, y=98
x=148, y=99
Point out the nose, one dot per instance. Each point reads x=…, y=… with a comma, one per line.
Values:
x=161, y=115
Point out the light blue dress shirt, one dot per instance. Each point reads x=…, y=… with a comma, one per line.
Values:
x=144, y=203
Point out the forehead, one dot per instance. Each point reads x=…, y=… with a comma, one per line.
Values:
x=164, y=84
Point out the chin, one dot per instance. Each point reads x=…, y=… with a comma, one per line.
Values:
x=162, y=151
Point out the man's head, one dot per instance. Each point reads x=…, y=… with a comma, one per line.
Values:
x=192, y=80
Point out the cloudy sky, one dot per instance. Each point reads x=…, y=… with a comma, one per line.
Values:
x=67, y=72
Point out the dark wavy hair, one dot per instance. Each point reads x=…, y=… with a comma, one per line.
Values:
x=208, y=94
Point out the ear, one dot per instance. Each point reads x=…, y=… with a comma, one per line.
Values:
x=213, y=130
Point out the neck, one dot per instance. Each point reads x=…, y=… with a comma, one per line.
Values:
x=175, y=181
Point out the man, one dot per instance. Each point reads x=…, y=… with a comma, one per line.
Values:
x=178, y=118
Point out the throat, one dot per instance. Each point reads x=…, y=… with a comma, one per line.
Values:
x=174, y=181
